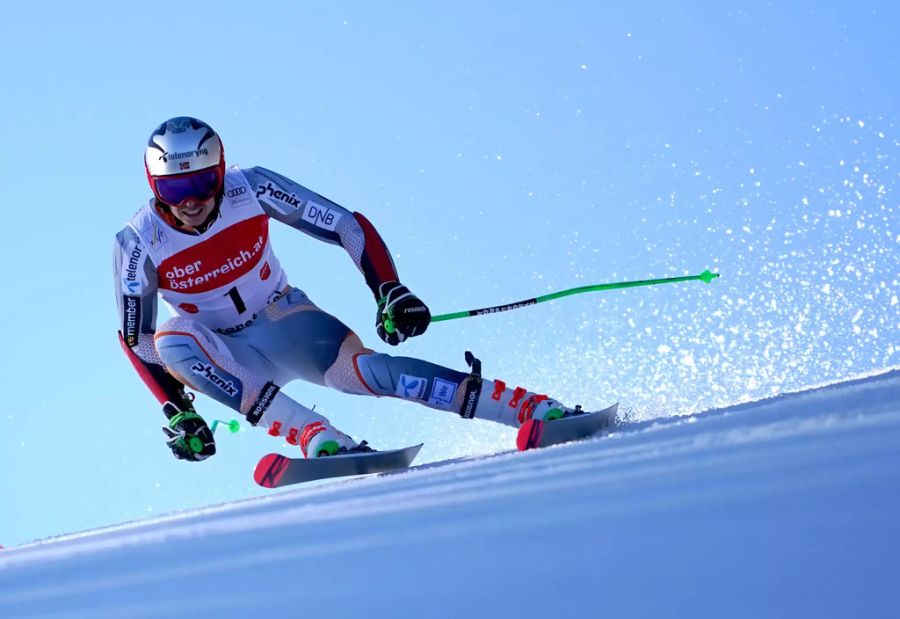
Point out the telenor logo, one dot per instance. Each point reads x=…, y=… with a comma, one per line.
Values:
x=133, y=282
x=185, y=155
x=411, y=387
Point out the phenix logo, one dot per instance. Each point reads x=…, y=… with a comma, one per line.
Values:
x=209, y=372
x=277, y=194
x=185, y=155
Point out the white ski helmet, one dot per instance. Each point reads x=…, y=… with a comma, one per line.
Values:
x=184, y=159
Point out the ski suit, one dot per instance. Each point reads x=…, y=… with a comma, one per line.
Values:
x=240, y=331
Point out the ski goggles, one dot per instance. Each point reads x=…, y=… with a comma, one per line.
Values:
x=176, y=190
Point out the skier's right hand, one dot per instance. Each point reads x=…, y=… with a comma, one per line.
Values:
x=401, y=314
x=187, y=434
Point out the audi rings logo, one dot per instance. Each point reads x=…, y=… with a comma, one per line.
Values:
x=237, y=191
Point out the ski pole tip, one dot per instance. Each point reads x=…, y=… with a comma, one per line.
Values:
x=233, y=425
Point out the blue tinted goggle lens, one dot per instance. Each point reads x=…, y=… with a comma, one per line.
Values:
x=174, y=190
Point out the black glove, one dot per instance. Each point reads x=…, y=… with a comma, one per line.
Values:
x=189, y=437
x=401, y=314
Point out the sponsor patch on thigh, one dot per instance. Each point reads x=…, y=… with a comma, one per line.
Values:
x=442, y=392
x=411, y=387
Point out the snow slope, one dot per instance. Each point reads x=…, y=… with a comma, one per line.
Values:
x=786, y=507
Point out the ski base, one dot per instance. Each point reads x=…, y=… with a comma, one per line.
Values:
x=275, y=470
x=537, y=433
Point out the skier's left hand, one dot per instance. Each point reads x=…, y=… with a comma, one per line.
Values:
x=401, y=314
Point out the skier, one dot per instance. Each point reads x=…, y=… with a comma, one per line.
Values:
x=240, y=331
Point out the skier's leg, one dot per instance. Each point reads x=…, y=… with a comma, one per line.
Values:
x=208, y=363
x=319, y=348
x=362, y=371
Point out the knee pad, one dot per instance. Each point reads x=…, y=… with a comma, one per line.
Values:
x=374, y=372
x=343, y=374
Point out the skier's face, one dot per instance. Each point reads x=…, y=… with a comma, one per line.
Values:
x=194, y=212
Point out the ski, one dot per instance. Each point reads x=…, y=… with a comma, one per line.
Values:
x=275, y=470
x=538, y=433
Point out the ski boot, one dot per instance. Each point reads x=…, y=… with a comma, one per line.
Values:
x=320, y=438
x=493, y=400
x=529, y=412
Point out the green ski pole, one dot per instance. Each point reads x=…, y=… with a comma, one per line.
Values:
x=705, y=276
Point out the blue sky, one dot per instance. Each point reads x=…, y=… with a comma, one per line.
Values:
x=504, y=150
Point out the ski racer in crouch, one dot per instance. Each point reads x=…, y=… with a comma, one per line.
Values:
x=241, y=331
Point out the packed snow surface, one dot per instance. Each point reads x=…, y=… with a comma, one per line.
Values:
x=785, y=507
